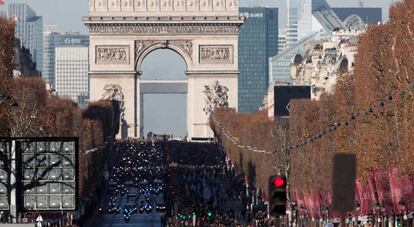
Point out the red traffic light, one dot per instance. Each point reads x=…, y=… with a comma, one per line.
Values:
x=279, y=182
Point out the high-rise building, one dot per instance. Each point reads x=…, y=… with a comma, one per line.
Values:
x=48, y=72
x=23, y=64
x=316, y=15
x=292, y=22
x=71, y=68
x=52, y=39
x=258, y=39
x=29, y=29
x=282, y=40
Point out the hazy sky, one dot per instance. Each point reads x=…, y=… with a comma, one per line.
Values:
x=67, y=13
x=162, y=113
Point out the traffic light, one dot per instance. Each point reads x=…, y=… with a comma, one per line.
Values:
x=277, y=195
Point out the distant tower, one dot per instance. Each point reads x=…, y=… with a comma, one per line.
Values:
x=292, y=22
x=254, y=54
x=29, y=29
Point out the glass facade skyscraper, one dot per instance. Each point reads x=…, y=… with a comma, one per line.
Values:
x=258, y=41
x=48, y=72
x=29, y=29
x=292, y=22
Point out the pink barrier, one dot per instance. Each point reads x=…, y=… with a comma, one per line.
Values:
x=382, y=189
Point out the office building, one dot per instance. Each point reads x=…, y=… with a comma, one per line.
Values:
x=71, y=68
x=317, y=15
x=29, y=30
x=282, y=40
x=257, y=43
x=292, y=22
x=49, y=54
x=53, y=39
x=23, y=64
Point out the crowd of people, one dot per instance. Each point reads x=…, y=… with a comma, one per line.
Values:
x=204, y=188
x=197, y=184
x=137, y=161
x=135, y=182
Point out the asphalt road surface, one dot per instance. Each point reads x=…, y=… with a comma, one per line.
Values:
x=152, y=219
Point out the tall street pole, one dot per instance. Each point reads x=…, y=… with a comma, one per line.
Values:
x=13, y=202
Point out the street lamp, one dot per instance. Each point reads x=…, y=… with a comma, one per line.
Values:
x=303, y=216
x=326, y=212
x=375, y=212
x=403, y=208
x=357, y=207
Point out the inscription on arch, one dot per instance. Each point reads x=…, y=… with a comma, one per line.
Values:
x=156, y=29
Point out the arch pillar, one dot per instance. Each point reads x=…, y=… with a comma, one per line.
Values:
x=197, y=120
x=129, y=84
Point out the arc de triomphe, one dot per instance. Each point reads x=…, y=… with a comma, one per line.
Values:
x=203, y=32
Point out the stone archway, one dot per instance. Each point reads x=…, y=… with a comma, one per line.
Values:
x=143, y=47
x=123, y=32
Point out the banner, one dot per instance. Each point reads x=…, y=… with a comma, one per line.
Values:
x=364, y=197
x=382, y=184
x=396, y=191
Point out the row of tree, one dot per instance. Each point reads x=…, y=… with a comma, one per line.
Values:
x=28, y=109
x=372, y=106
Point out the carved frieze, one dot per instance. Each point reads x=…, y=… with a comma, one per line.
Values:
x=112, y=54
x=175, y=6
x=185, y=45
x=217, y=54
x=108, y=29
x=141, y=45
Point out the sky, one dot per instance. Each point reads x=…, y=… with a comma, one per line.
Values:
x=67, y=14
x=162, y=113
